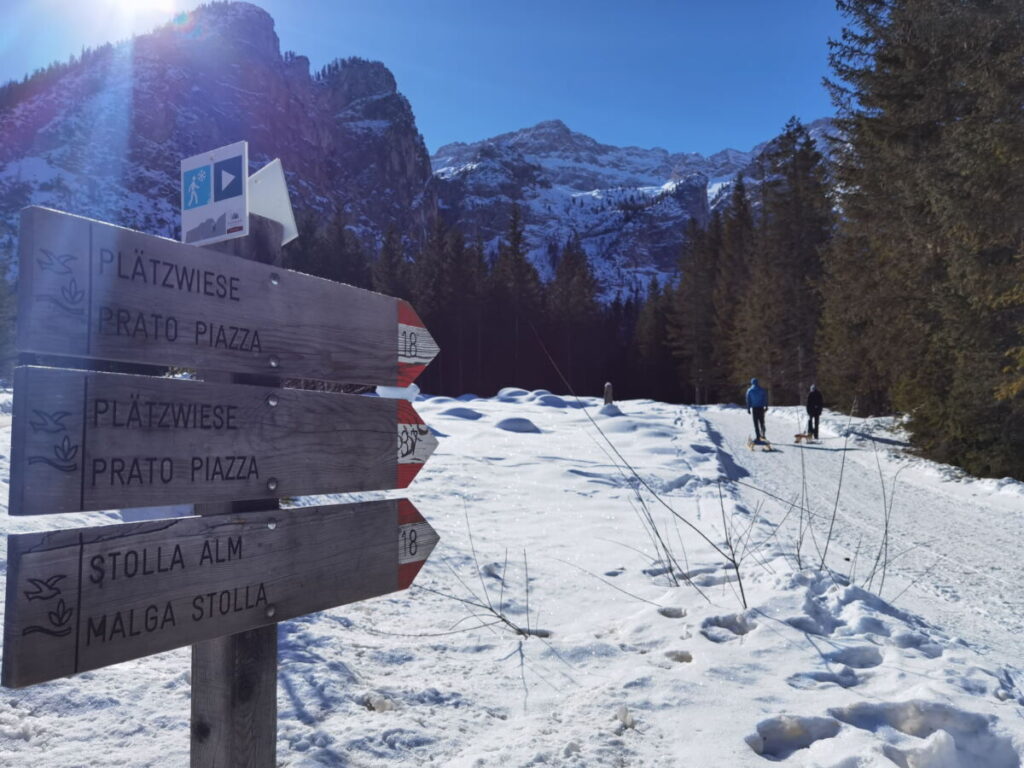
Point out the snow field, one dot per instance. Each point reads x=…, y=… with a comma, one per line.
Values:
x=543, y=527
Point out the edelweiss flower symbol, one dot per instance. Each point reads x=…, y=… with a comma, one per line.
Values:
x=201, y=175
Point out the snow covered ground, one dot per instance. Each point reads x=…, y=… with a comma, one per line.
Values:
x=544, y=523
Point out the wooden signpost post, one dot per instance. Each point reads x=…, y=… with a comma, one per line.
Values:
x=85, y=598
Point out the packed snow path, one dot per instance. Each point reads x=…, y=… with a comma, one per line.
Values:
x=954, y=542
x=544, y=528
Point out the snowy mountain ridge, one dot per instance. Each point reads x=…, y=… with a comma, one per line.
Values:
x=629, y=205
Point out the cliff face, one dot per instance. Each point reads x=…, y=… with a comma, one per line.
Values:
x=104, y=137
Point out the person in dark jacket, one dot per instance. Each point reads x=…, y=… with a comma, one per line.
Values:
x=814, y=406
x=757, y=400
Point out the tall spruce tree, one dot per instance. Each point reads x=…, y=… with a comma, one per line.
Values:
x=467, y=275
x=693, y=336
x=572, y=314
x=515, y=300
x=651, y=352
x=390, y=272
x=797, y=226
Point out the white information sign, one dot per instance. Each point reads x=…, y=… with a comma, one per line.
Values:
x=214, y=200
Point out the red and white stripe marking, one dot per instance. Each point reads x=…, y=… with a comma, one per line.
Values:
x=416, y=540
x=415, y=443
x=416, y=347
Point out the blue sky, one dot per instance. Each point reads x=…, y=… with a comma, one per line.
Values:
x=684, y=75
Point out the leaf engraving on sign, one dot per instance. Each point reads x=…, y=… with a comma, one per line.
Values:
x=65, y=451
x=71, y=295
x=60, y=617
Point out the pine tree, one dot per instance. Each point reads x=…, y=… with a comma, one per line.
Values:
x=516, y=297
x=796, y=228
x=651, y=352
x=572, y=313
x=390, y=272
x=732, y=254
x=691, y=335
x=431, y=291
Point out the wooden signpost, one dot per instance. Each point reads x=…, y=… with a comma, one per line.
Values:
x=84, y=440
x=93, y=290
x=85, y=598
x=90, y=597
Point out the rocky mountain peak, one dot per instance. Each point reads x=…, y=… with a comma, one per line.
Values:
x=548, y=137
x=234, y=26
x=102, y=135
x=353, y=79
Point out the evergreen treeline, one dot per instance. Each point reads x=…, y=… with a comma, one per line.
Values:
x=496, y=322
x=747, y=302
x=924, y=307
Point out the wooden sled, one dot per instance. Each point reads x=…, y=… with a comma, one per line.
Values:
x=753, y=443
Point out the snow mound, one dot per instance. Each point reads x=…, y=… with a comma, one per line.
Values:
x=462, y=413
x=610, y=409
x=511, y=394
x=551, y=401
x=518, y=424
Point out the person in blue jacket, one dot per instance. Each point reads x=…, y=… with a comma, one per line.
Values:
x=757, y=399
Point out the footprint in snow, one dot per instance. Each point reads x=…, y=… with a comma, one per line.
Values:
x=672, y=612
x=722, y=629
x=682, y=657
x=857, y=656
x=949, y=735
x=779, y=737
x=844, y=678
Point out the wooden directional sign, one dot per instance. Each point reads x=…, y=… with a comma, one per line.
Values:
x=89, y=597
x=84, y=440
x=93, y=290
